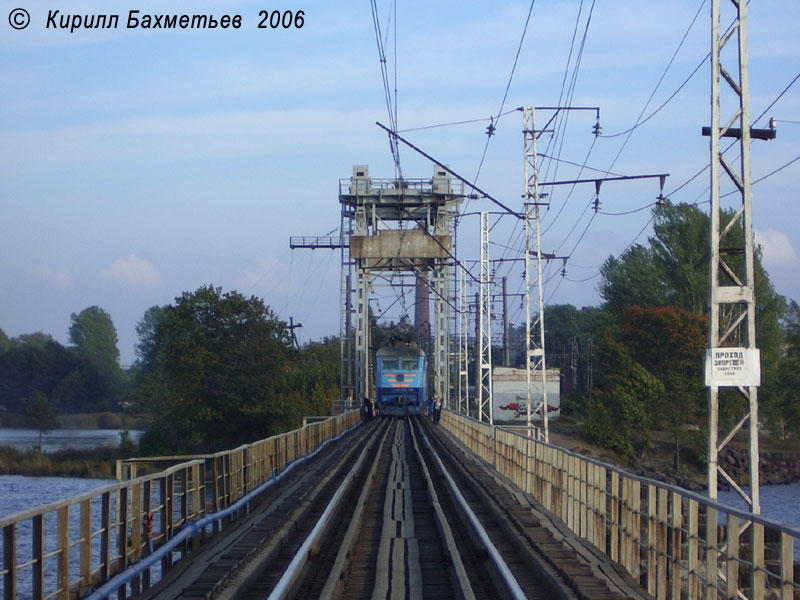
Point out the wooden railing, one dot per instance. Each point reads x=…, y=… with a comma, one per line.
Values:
x=80, y=543
x=676, y=543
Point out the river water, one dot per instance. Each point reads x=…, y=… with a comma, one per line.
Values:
x=778, y=502
x=61, y=439
x=19, y=493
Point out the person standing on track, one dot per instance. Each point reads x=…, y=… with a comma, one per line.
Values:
x=367, y=410
x=437, y=410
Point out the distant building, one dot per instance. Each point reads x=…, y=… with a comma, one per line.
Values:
x=509, y=397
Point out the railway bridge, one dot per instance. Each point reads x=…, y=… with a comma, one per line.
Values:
x=393, y=508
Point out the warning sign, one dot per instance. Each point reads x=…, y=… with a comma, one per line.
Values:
x=733, y=367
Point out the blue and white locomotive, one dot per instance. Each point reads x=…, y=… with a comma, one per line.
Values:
x=400, y=380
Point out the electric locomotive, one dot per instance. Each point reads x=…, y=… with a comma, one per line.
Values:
x=400, y=380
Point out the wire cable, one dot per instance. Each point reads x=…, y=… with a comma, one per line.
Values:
x=493, y=124
x=639, y=121
x=386, y=88
x=774, y=102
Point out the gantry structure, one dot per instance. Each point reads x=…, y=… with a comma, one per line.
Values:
x=395, y=226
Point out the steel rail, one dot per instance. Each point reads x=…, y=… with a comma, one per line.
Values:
x=292, y=572
x=193, y=527
x=514, y=589
x=339, y=564
x=465, y=588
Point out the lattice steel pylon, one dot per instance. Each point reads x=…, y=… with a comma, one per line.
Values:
x=733, y=358
x=463, y=347
x=534, y=338
x=484, y=357
x=346, y=333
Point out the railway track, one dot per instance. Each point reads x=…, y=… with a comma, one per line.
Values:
x=398, y=511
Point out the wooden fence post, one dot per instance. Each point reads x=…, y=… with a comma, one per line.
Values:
x=63, y=552
x=10, y=561
x=86, y=544
x=787, y=567
x=677, y=517
x=38, y=556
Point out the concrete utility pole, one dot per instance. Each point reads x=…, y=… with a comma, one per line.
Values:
x=732, y=359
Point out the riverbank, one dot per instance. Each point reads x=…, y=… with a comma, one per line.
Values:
x=779, y=460
x=97, y=463
x=100, y=420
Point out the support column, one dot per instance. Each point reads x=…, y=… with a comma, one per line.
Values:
x=485, y=329
x=732, y=295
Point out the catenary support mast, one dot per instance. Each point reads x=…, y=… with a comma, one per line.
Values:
x=534, y=338
x=732, y=359
x=484, y=371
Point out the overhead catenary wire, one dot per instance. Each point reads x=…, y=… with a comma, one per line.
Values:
x=704, y=168
x=511, y=249
x=639, y=120
x=561, y=123
x=493, y=123
x=390, y=106
x=492, y=119
x=775, y=101
x=638, y=123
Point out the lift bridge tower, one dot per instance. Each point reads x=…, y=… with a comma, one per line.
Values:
x=395, y=227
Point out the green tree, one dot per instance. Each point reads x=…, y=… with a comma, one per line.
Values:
x=146, y=330
x=36, y=339
x=633, y=279
x=569, y=337
x=219, y=372
x=34, y=362
x=5, y=343
x=670, y=343
x=621, y=410
x=783, y=411
x=94, y=338
x=317, y=375
x=673, y=270
x=791, y=327
x=93, y=334
x=782, y=393
x=40, y=414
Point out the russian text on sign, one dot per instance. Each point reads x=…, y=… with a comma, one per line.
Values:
x=732, y=367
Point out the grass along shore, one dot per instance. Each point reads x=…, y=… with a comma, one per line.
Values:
x=97, y=463
x=101, y=420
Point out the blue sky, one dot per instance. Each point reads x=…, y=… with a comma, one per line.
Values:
x=137, y=164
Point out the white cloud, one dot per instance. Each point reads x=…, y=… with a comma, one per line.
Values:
x=56, y=277
x=132, y=271
x=776, y=248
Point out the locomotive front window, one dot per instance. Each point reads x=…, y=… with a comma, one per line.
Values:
x=410, y=364
x=391, y=363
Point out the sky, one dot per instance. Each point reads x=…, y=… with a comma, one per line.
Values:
x=138, y=164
